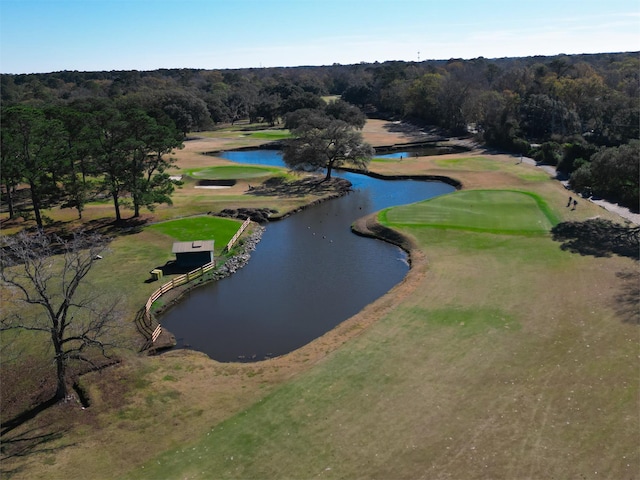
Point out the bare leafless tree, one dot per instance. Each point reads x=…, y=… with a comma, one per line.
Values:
x=44, y=274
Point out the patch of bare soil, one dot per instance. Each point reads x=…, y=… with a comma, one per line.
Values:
x=385, y=132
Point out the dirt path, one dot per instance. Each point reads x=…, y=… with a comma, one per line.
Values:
x=611, y=207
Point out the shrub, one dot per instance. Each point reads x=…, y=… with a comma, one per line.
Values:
x=549, y=153
x=581, y=181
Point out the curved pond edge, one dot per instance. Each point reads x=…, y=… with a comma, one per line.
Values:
x=167, y=340
x=370, y=227
x=352, y=327
x=425, y=178
x=318, y=349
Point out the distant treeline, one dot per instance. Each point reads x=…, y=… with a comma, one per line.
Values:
x=574, y=109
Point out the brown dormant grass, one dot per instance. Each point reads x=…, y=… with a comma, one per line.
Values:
x=496, y=357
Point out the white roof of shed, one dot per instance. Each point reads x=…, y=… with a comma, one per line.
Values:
x=193, y=246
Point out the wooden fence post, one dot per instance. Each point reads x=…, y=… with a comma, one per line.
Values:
x=242, y=228
x=156, y=333
x=182, y=279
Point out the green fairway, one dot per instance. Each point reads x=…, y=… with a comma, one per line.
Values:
x=199, y=228
x=231, y=172
x=383, y=160
x=493, y=367
x=271, y=135
x=485, y=164
x=495, y=211
x=475, y=164
x=501, y=354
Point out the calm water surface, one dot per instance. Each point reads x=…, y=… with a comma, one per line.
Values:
x=308, y=274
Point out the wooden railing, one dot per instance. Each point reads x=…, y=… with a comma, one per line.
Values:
x=242, y=228
x=156, y=333
x=176, y=282
x=181, y=280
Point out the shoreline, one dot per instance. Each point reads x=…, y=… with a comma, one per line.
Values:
x=167, y=340
x=367, y=226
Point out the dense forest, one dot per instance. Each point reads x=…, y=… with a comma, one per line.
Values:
x=72, y=134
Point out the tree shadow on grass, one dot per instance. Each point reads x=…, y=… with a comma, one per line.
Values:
x=34, y=440
x=112, y=228
x=599, y=238
x=628, y=300
x=7, y=425
x=38, y=440
x=307, y=186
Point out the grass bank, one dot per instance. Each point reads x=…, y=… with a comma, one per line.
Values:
x=499, y=356
x=199, y=228
x=508, y=359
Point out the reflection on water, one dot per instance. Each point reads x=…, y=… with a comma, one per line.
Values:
x=413, y=153
x=308, y=274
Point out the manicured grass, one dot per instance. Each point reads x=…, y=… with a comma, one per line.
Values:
x=254, y=131
x=271, y=135
x=500, y=363
x=493, y=367
x=468, y=322
x=488, y=164
x=231, y=172
x=496, y=211
x=500, y=356
x=199, y=228
x=384, y=160
x=461, y=167
x=478, y=164
x=381, y=160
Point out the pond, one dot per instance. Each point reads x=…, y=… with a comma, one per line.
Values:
x=399, y=154
x=308, y=274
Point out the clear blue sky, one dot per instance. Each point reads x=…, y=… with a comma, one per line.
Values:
x=52, y=35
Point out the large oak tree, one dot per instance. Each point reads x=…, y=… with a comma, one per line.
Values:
x=322, y=143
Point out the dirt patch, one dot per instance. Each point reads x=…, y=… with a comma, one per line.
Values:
x=385, y=132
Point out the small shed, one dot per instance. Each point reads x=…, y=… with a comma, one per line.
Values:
x=193, y=254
